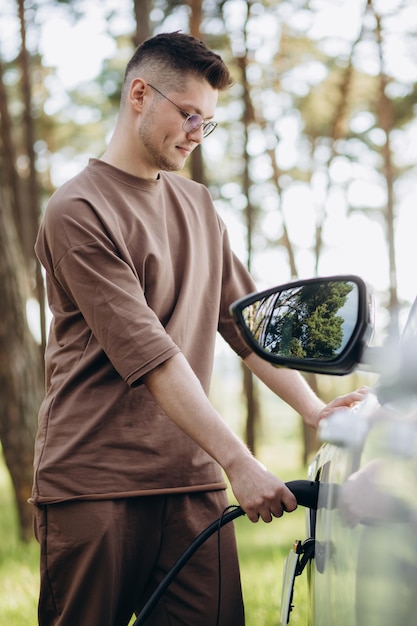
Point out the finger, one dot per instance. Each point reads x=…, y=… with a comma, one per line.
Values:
x=278, y=509
x=347, y=400
x=253, y=516
x=267, y=517
x=289, y=502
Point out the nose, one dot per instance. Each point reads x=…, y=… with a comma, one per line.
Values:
x=197, y=134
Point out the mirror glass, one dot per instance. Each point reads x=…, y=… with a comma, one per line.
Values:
x=310, y=321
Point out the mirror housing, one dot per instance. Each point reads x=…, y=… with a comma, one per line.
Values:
x=316, y=325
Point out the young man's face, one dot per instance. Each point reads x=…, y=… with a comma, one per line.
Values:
x=166, y=145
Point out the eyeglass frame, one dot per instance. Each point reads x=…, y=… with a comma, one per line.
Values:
x=210, y=125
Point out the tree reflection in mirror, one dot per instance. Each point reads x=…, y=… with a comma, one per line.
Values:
x=311, y=321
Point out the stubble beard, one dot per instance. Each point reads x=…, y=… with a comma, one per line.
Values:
x=161, y=160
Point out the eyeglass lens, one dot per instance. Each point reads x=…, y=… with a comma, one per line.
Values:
x=195, y=121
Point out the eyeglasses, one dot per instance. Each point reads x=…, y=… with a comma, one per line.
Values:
x=192, y=122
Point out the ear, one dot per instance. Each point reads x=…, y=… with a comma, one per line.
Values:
x=136, y=93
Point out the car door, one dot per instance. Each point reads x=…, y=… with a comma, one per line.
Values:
x=365, y=567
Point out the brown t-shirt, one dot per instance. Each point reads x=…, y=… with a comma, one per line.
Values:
x=136, y=271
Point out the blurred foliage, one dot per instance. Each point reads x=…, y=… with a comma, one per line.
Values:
x=312, y=166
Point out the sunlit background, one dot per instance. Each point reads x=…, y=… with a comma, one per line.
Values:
x=328, y=145
x=354, y=240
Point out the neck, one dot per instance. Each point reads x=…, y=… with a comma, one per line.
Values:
x=124, y=154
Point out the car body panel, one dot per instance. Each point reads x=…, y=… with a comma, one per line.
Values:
x=364, y=530
x=365, y=569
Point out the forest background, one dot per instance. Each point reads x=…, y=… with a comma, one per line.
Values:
x=312, y=167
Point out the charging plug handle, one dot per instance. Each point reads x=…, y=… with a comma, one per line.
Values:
x=306, y=492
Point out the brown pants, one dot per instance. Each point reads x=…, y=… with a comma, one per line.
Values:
x=101, y=560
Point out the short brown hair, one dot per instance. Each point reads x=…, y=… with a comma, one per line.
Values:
x=171, y=56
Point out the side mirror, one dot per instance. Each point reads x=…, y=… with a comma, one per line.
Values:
x=316, y=325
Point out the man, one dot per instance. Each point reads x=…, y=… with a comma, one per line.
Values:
x=129, y=452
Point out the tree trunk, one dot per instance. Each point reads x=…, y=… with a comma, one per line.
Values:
x=21, y=370
x=21, y=358
x=310, y=439
x=385, y=112
x=8, y=174
x=253, y=416
x=196, y=161
x=252, y=408
x=30, y=210
x=142, y=9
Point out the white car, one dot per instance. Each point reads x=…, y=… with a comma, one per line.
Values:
x=360, y=548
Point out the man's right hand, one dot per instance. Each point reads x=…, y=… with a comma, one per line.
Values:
x=259, y=493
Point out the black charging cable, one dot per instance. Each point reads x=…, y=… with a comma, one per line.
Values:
x=306, y=493
x=184, y=558
x=231, y=507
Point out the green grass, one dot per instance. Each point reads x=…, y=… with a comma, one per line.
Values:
x=19, y=579
x=262, y=549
